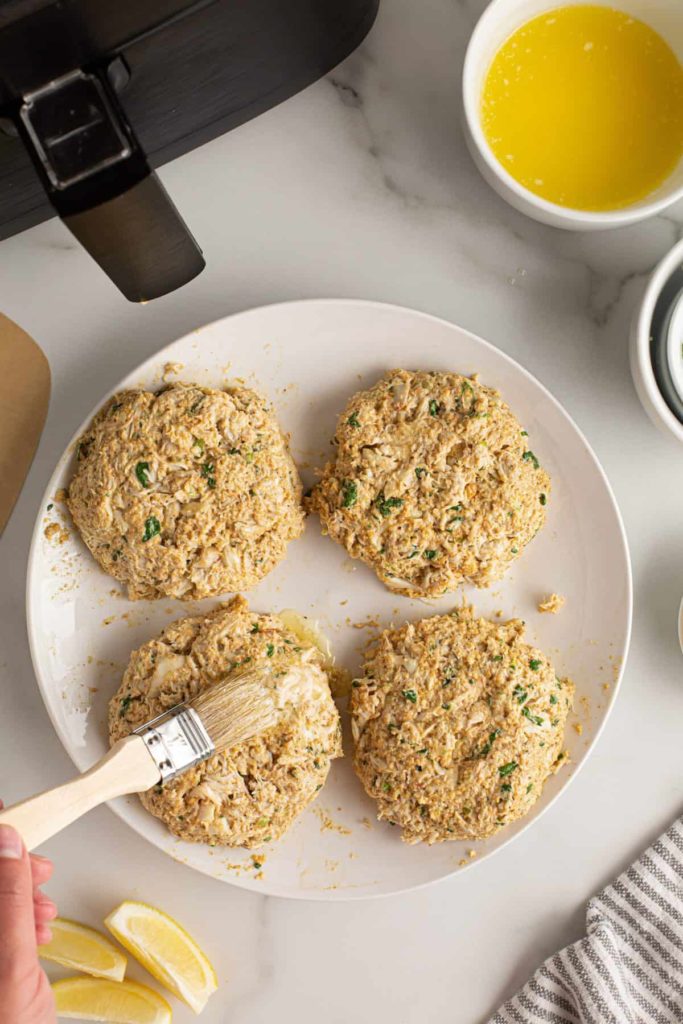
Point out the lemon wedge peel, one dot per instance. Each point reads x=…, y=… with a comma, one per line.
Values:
x=165, y=949
x=84, y=949
x=114, y=1002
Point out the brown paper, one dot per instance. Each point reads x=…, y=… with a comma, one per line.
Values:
x=24, y=398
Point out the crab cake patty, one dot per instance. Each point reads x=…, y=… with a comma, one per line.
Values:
x=433, y=483
x=187, y=493
x=457, y=724
x=251, y=793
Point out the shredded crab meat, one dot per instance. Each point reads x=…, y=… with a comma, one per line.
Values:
x=433, y=483
x=163, y=479
x=457, y=723
x=254, y=791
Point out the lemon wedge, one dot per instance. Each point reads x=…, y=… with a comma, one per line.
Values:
x=82, y=948
x=165, y=950
x=95, y=999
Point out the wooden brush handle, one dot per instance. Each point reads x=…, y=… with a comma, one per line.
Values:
x=127, y=768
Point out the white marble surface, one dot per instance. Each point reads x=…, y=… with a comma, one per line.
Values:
x=361, y=186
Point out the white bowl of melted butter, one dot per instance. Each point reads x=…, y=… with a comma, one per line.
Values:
x=573, y=113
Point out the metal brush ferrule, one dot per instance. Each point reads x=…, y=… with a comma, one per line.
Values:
x=176, y=740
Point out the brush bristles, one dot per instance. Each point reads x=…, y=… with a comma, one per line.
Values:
x=236, y=710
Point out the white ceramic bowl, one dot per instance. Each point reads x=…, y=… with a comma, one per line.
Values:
x=641, y=362
x=500, y=19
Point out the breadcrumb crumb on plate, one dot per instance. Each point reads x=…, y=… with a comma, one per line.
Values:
x=553, y=604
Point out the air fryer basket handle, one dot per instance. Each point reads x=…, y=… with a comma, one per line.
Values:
x=98, y=179
x=140, y=240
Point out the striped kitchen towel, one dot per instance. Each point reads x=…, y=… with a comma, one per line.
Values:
x=629, y=967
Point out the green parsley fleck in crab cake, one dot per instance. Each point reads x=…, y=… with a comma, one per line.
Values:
x=433, y=483
x=189, y=492
x=251, y=793
x=457, y=724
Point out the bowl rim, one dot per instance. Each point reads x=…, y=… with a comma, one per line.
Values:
x=642, y=324
x=551, y=211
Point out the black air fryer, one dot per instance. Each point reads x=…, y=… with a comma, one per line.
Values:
x=95, y=93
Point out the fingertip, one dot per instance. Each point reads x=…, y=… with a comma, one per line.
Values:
x=41, y=870
x=44, y=910
x=43, y=935
x=17, y=929
x=11, y=844
x=38, y=858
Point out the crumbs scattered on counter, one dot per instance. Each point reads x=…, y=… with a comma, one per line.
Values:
x=552, y=604
x=327, y=824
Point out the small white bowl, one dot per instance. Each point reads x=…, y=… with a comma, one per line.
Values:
x=640, y=347
x=500, y=19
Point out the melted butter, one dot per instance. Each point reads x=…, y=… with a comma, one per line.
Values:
x=583, y=105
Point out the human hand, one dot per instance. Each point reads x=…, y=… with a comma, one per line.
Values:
x=25, y=993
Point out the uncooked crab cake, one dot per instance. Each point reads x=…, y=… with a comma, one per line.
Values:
x=457, y=725
x=251, y=793
x=189, y=492
x=433, y=483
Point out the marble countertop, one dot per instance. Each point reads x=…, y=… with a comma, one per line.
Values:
x=361, y=186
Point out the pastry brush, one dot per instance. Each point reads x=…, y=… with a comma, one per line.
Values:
x=158, y=751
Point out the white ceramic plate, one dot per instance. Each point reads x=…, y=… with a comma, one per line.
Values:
x=309, y=357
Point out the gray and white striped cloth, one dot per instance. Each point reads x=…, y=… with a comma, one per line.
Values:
x=629, y=967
